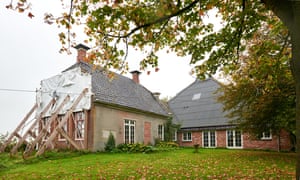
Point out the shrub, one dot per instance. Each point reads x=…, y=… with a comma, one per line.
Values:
x=111, y=143
x=135, y=148
x=196, y=147
x=163, y=144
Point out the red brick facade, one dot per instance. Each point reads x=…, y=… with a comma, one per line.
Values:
x=147, y=132
x=85, y=143
x=275, y=143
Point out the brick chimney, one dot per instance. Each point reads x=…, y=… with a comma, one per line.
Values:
x=135, y=76
x=81, y=52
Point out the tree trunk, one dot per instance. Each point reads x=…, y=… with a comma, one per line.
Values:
x=289, y=13
x=295, y=35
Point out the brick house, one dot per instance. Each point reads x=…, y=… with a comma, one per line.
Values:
x=203, y=122
x=81, y=106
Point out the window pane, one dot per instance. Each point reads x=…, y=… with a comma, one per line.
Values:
x=132, y=134
x=238, y=139
x=205, y=139
x=129, y=131
x=212, y=139
x=230, y=138
x=126, y=134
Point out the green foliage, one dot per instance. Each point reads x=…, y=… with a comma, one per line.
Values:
x=111, y=143
x=135, y=148
x=262, y=95
x=3, y=138
x=182, y=164
x=170, y=129
x=167, y=145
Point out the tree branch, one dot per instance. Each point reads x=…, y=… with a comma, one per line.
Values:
x=159, y=20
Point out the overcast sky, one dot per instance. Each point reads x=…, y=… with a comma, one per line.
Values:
x=29, y=53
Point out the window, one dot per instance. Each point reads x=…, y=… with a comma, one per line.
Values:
x=161, y=132
x=196, y=96
x=64, y=128
x=266, y=135
x=129, y=131
x=79, y=125
x=234, y=139
x=209, y=139
x=45, y=122
x=186, y=136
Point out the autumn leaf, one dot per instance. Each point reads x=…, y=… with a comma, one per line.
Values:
x=21, y=10
x=30, y=15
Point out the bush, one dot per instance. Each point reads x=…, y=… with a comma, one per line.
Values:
x=135, y=148
x=111, y=143
x=163, y=144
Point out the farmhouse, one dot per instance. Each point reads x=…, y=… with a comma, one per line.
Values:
x=203, y=121
x=80, y=107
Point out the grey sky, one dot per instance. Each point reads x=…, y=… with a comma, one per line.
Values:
x=29, y=53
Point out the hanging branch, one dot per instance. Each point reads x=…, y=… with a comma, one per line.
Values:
x=157, y=21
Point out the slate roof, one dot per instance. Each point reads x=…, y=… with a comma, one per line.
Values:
x=196, y=106
x=120, y=90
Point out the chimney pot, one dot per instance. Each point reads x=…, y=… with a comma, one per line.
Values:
x=81, y=52
x=135, y=76
x=156, y=95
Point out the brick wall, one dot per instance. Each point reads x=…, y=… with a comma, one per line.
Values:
x=248, y=141
x=221, y=138
x=147, y=132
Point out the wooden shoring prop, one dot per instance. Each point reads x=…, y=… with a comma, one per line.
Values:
x=15, y=132
x=58, y=128
x=43, y=132
x=28, y=132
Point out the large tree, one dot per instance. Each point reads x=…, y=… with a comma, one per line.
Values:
x=150, y=25
x=261, y=94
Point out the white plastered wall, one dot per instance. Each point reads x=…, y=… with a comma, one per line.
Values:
x=71, y=83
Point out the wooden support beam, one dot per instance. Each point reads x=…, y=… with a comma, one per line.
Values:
x=61, y=124
x=43, y=132
x=32, y=134
x=18, y=135
x=15, y=132
x=15, y=148
x=68, y=138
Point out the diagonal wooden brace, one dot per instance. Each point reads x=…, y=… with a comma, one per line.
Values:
x=38, y=139
x=15, y=148
x=15, y=133
x=61, y=124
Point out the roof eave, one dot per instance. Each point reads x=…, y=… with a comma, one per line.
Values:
x=130, y=109
x=217, y=127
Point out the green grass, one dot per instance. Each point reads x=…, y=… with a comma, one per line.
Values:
x=177, y=164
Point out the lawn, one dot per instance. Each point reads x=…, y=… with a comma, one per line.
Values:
x=177, y=164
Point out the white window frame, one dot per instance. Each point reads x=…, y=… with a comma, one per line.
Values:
x=64, y=128
x=234, y=139
x=131, y=131
x=209, y=133
x=79, y=125
x=160, y=132
x=264, y=137
x=186, y=137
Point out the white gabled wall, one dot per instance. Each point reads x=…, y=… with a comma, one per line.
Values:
x=70, y=83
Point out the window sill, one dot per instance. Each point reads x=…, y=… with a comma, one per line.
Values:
x=266, y=139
